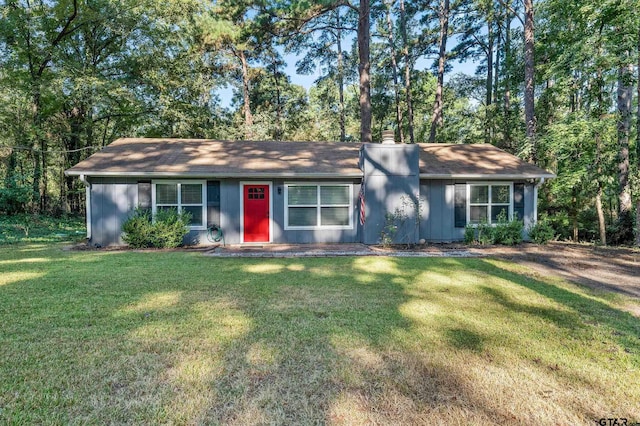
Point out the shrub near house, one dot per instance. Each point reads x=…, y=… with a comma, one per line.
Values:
x=166, y=230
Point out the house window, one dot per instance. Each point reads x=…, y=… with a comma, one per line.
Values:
x=183, y=197
x=486, y=202
x=314, y=206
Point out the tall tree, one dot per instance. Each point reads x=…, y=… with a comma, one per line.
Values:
x=322, y=41
x=233, y=27
x=394, y=66
x=529, y=79
x=364, y=68
x=637, y=241
x=408, y=67
x=34, y=34
x=437, y=118
x=300, y=14
x=625, y=207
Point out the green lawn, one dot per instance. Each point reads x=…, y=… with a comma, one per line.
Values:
x=176, y=337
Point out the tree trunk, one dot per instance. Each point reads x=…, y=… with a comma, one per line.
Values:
x=496, y=67
x=364, y=66
x=489, y=83
x=507, y=80
x=638, y=145
x=573, y=213
x=38, y=145
x=529, y=80
x=77, y=118
x=407, y=71
x=625, y=93
x=276, y=81
x=436, y=118
x=602, y=226
x=394, y=71
x=343, y=132
x=246, y=107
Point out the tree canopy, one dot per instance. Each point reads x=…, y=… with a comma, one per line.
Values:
x=556, y=83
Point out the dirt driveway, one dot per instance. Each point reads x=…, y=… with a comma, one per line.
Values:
x=603, y=268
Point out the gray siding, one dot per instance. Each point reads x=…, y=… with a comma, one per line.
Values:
x=112, y=201
x=229, y=216
x=437, y=221
x=391, y=183
x=306, y=236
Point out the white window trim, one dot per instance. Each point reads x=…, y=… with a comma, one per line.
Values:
x=271, y=196
x=318, y=206
x=489, y=204
x=203, y=184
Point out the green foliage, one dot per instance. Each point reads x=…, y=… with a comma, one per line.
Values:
x=14, y=198
x=507, y=232
x=166, y=230
x=469, y=234
x=152, y=68
x=542, y=232
x=504, y=232
x=138, y=229
x=25, y=227
x=390, y=229
x=404, y=222
x=16, y=193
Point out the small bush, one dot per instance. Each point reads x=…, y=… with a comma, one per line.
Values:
x=541, y=233
x=507, y=232
x=165, y=231
x=469, y=234
x=170, y=228
x=388, y=233
x=504, y=232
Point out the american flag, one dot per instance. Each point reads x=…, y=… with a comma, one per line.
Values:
x=361, y=198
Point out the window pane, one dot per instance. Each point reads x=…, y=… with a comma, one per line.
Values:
x=191, y=193
x=478, y=214
x=303, y=195
x=303, y=216
x=334, y=194
x=167, y=193
x=496, y=210
x=167, y=208
x=500, y=194
x=196, y=215
x=479, y=194
x=334, y=216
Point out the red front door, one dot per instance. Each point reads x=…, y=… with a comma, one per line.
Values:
x=256, y=213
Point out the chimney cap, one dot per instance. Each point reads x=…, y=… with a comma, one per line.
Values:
x=388, y=137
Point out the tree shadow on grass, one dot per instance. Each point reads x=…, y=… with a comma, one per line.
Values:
x=171, y=337
x=582, y=310
x=189, y=340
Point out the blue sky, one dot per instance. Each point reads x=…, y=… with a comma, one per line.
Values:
x=306, y=81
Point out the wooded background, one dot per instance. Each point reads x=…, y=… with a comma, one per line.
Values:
x=556, y=84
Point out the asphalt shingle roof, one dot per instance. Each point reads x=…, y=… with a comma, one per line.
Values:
x=213, y=158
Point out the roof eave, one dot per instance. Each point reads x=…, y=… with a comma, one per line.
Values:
x=196, y=175
x=494, y=176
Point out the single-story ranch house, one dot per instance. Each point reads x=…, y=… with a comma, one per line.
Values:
x=307, y=192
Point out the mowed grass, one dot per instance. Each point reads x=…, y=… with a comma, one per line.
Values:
x=176, y=337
